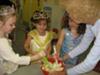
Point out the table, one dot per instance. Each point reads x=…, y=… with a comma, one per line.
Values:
x=32, y=69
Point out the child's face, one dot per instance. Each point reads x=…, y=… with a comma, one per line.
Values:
x=72, y=23
x=41, y=26
x=9, y=24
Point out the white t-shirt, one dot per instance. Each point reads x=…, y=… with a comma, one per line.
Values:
x=94, y=55
x=9, y=59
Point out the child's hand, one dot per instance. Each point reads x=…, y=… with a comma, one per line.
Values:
x=65, y=57
x=42, y=53
x=38, y=56
x=34, y=53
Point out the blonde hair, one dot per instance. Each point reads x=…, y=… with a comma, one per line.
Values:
x=6, y=12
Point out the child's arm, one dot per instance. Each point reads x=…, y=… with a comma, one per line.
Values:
x=38, y=56
x=48, y=49
x=27, y=45
x=7, y=53
x=60, y=41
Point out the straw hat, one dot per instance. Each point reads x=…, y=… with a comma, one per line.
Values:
x=83, y=10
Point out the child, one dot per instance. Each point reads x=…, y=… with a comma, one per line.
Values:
x=2, y=71
x=70, y=37
x=38, y=39
x=8, y=58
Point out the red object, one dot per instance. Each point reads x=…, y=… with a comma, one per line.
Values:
x=56, y=56
x=52, y=60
